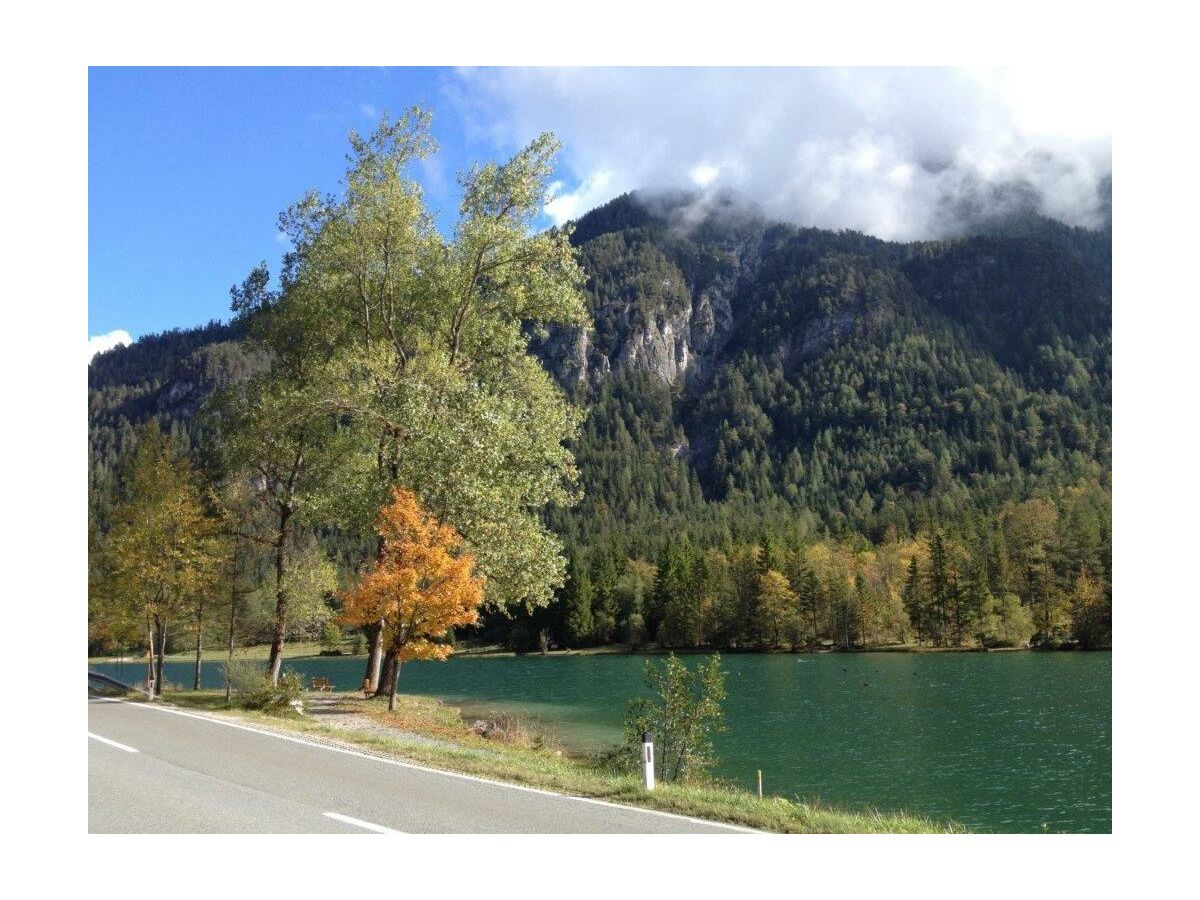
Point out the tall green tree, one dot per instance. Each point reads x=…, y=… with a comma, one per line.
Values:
x=808, y=600
x=274, y=439
x=915, y=602
x=633, y=587
x=604, y=578
x=940, y=589
x=577, y=603
x=431, y=372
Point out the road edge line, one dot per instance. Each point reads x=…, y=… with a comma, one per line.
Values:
x=361, y=823
x=112, y=743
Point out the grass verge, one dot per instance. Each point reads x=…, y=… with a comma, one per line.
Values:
x=520, y=755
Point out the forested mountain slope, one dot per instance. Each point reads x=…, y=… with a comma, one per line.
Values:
x=166, y=377
x=854, y=382
x=752, y=383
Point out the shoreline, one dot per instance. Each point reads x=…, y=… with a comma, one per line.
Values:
x=305, y=651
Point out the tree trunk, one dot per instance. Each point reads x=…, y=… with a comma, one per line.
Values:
x=161, y=628
x=371, y=683
x=233, y=595
x=395, y=679
x=229, y=659
x=390, y=667
x=275, y=659
x=374, y=657
x=150, y=659
x=199, y=642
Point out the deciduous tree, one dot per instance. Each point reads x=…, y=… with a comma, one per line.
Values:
x=431, y=372
x=274, y=438
x=1091, y=612
x=420, y=588
x=163, y=551
x=775, y=610
x=682, y=718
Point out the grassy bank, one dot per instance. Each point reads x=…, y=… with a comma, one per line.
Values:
x=432, y=733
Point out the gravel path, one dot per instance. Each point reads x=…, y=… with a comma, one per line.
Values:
x=335, y=712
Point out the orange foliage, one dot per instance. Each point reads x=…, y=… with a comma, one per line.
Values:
x=421, y=587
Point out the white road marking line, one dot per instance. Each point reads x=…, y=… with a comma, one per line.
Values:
x=419, y=768
x=103, y=740
x=359, y=823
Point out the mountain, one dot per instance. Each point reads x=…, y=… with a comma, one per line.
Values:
x=745, y=377
x=854, y=382
x=166, y=377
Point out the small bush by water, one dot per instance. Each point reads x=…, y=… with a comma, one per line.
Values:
x=681, y=719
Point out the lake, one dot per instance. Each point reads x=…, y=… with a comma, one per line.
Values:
x=1012, y=742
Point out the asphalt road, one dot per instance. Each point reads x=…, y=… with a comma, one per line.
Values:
x=155, y=769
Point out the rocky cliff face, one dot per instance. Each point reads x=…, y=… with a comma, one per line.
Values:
x=675, y=328
x=661, y=346
x=677, y=347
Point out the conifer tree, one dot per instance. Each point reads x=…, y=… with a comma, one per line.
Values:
x=939, y=590
x=577, y=594
x=915, y=602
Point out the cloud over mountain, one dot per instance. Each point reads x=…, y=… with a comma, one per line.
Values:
x=98, y=343
x=898, y=153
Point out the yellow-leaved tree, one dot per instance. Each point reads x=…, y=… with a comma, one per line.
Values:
x=420, y=587
x=162, y=555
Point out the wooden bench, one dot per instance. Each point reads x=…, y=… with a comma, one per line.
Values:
x=321, y=683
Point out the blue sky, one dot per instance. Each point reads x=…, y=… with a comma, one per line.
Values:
x=189, y=168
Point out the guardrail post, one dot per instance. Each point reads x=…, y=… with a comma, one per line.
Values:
x=648, y=760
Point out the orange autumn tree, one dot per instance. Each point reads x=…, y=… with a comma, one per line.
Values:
x=421, y=586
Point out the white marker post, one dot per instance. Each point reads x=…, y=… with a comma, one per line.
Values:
x=648, y=760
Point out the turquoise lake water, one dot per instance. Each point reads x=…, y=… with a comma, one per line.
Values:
x=997, y=741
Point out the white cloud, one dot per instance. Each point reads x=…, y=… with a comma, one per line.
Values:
x=900, y=153
x=368, y=110
x=594, y=189
x=101, y=342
